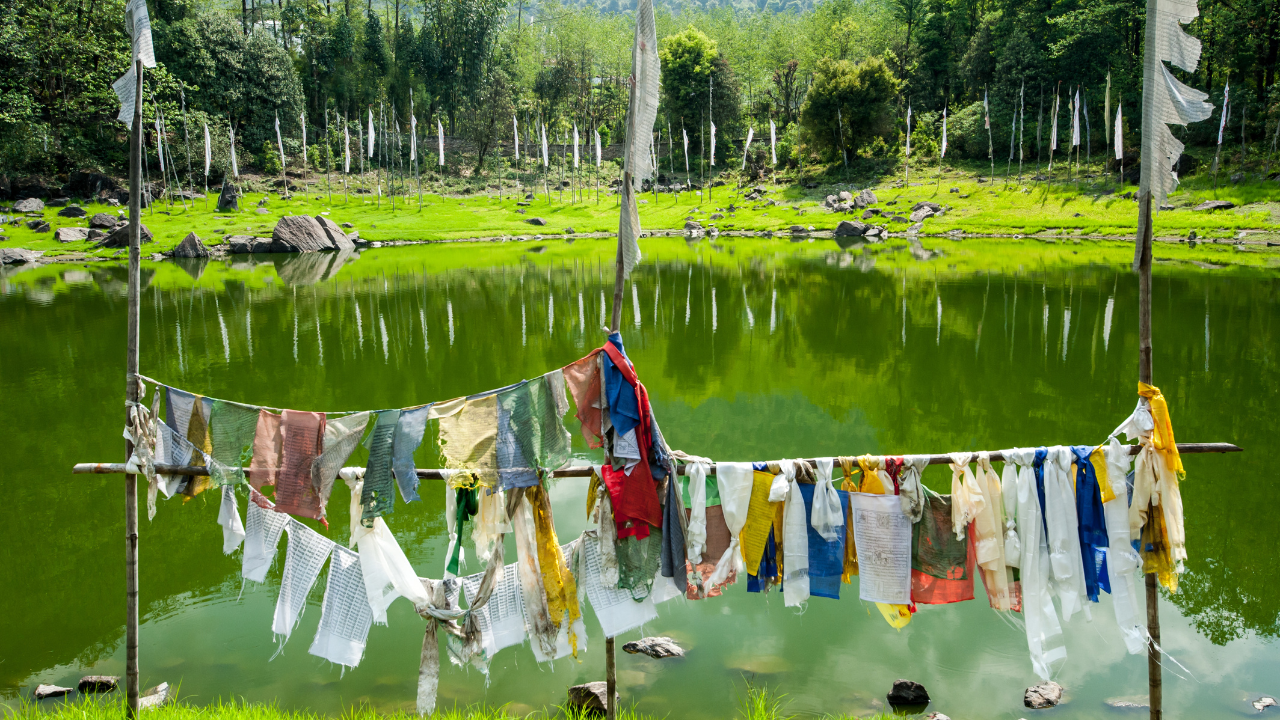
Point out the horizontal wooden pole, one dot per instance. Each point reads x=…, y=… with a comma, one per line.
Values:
x=585, y=470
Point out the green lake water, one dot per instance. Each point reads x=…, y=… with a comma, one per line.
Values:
x=750, y=349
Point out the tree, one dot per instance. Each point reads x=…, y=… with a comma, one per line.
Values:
x=862, y=94
x=693, y=74
x=786, y=92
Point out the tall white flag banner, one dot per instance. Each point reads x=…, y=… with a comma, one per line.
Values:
x=685, y=135
x=773, y=143
x=208, y=151
x=280, y=145
x=346, y=147
x=370, y=133
x=515, y=134
x=1106, y=108
x=440, y=135
x=944, y=133
x=138, y=24
x=713, y=144
x=986, y=111
x=1075, y=119
x=1165, y=99
x=1119, y=132
x=546, y=160
x=235, y=169
x=159, y=138
x=641, y=115
x=597, y=134
x=908, y=130
x=750, y=134
x=1226, y=103
x=413, y=131
x=303, y=119
x=575, y=145
x=1053, y=131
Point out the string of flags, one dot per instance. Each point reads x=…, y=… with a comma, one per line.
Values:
x=1064, y=522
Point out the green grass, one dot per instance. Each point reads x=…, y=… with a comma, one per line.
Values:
x=1094, y=206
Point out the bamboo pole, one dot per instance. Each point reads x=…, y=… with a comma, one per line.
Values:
x=586, y=470
x=131, y=396
x=1155, y=683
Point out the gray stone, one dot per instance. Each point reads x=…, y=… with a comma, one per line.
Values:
x=921, y=214
x=1211, y=205
x=155, y=697
x=119, y=238
x=654, y=647
x=692, y=225
x=26, y=206
x=347, y=226
x=47, y=691
x=337, y=238
x=229, y=198
x=906, y=692
x=58, y=202
x=1045, y=695
x=899, y=219
x=105, y=221
x=568, y=231
x=262, y=211
x=39, y=226
x=247, y=244
x=1237, y=178
x=299, y=233
x=18, y=256
x=95, y=235
x=536, y=221
x=716, y=216
x=190, y=247
x=851, y=228
x=590, y=698
x=797, y=229
x=98, y=683
x=846, y=196
x=72, y=211
x=71, y=234
x=866, y=197
x=926, y=204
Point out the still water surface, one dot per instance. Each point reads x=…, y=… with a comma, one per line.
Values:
x=751, y=350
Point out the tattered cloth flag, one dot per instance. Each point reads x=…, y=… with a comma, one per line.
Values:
x=575, y=145
x=235, y=169
x=229, y=518
x=1053, y=130
x=303, y=560
x=208, y=152
x=1226, y=104
x=409, y=432
x=750, y=134
x=371, y=132
x=1106, y=109
x=515, y=130
x=261, y=536
x=773, y=143
x=546, y=161
x=440, y=134
x=713, y=143
x=1165, y=99
x=379, y=495
x=597, y=134
x=138, y=24
x=303, y=119
x=346, y=148
x=615, y=609
x=345, y=617
x=908, y=131
x=1119, y=132
x=280, y=144
x=1075, y=119
x=501, y=619
x=413, y=134
x=160, y=137
x=944, y=133
x=685, y=134
x=637, y=165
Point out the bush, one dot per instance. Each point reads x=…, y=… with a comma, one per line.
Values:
x=270, y=158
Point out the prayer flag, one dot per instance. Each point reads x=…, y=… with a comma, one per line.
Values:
x=750, y=133
x=597, y=134
x=413, y=134
x=370, y=133
x=1053, y=131
x=773, y=143
x=1075, y=119
x=575, y=145
x=515, y=133
x=986, y=111
x=944, y=133
x=235, y=171
x=1226, y=102
x=685, y=133
x=440, y=134
x=303, y=119
x=908, y=130
x=208, y=153
x=1119, y=132
x=280, y=144
x=160, y=139
x=546, y=162
x=713, y=143
x=1106, y=108
x=346, y=147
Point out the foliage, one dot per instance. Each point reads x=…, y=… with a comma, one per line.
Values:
x=860, y=94
x=695, y=75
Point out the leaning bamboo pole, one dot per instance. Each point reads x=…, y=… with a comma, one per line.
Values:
x=131, y=396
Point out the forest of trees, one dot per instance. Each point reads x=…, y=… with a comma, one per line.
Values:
x=828, y=73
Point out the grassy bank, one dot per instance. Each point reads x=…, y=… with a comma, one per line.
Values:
x=1094, y=206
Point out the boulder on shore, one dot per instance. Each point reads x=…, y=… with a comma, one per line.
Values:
x=906, y=692
x=590, y=698
x=104, y=221
x=71, y=234
x=229, y=198
x=119, y=238
x=536, y=221
x=18, y=256
x=248, y=244
x=72, y=211
x=337, y=238
x=26, y=206
x=1045, y=695
x=927, y=204
x=851, y=228
x=190, y=247
x=1208, y=205
x=299, y=233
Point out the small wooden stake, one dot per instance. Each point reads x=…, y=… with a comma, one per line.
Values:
x=610, y=681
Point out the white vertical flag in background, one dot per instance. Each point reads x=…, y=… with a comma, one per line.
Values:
x=280, y=143
x=235, y=170
x=1119, y=132
x=303, y=119
x=1075, y=119
x=713, y=143
x=575, y=145
x=515, y=130
x=773, y=143
x=750, y=134
x=371, y=133
x=1053, y=130
x=1106, y=108
x=908, y=130
x=346, y=147
x=597, y=134
x=208, y=151
x=440, y=134
x=413, y=135
x=685, y=135
x=159, y=138
x=546, y=161
x=944, y=133
x=986, y=111
x=1226, y=103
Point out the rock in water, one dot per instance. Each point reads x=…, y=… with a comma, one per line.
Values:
x=851, y=228
x=1263, y=703
x=1209, y=205
x=299, y=233
x=155, y=697
x=906, y=692
x=590, y=698
x=18, y=256
x=1045, y=695
x=119, y=238
x=247, y=244
x=98, y=683
x=190, y=247
x=48, y=691
x=229, y=198
x=654, y=647
x=337, y=238
x=71, y=234
x=26, y=206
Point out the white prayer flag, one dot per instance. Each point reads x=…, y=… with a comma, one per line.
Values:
x=159, y=139
x=346, y=147
x=280, y=144
x=125, y=88
x=575, y=145
x=686, y=150
x=303, y=119
x=1119, y=132
x=597, y=134
x=440, y=135
x=546, y=162
x=515, y=132
x=713, y=143
x=1226, y=102
x=235, y=170
x=1106, y=108
x=413, y=135
x=986, y=111
x=750, y=133
x=370, y=133
x=944, y=132
x=208, y=151
x=641, y=115
x=1053, y=131
x=138, y=24
x=908, y=131
x=1075, y=119
x=773, y=143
